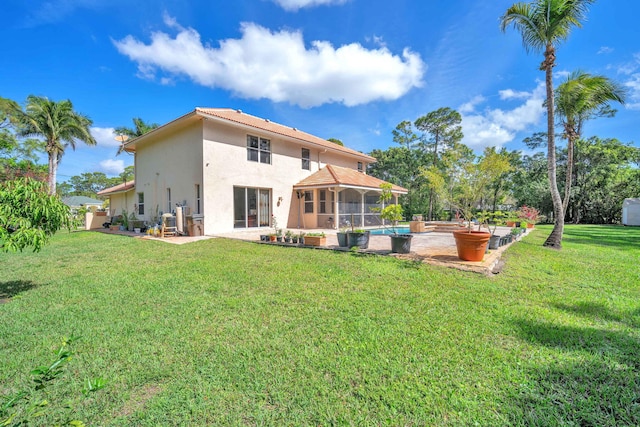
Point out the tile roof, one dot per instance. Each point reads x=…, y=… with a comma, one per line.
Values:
x=120, y=188
x=336, y=176
x=238, y=116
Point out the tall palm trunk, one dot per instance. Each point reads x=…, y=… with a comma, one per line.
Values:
x=555, y=238
x=53, y=172
x=571, y=137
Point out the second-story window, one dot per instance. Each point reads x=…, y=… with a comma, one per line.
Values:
x=306, y=159
x=360, y=169
x=258, y=149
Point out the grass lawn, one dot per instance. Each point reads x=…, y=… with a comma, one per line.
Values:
x=223, y=332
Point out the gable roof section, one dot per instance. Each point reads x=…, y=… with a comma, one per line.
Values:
x=120, y=188
x=336, y=176
x=237, y=117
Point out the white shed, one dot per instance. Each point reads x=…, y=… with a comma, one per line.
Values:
x=631, y=212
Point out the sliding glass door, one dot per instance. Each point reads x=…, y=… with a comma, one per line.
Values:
x=251, y=207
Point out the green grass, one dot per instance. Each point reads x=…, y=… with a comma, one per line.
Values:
x=223, y=332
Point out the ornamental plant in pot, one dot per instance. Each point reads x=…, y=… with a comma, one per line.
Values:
x=400, y=243
x=357, y=237
x=491, y=220
x=342, y=237
x=464, y=185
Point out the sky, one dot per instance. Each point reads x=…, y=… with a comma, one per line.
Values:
x=346, y=69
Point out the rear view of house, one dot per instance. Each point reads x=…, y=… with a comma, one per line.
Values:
x=226, y=170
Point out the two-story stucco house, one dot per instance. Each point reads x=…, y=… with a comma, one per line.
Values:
x=235, y=171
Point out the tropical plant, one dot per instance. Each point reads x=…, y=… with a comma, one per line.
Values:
x=390, y=212
x=470, y=184
x=543, y=24
x=140, y=127
x=581, y=97
x=29, y=215
x=58, y=124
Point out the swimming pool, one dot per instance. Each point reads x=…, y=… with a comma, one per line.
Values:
x=387, y=231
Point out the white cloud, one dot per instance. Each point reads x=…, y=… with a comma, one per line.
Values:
x=294, y=5
x=112, y=167
x=496, y=127
x=605, y=50
x=634, y=92
x=278, y=66
x=105, y=137
x=470, y=106
x=512, y=94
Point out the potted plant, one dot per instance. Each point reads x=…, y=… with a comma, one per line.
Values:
x=342, y=236
x=358, y=238
x=287, y=236
x=464, y=187
x=301, y=238
x=528, y=215
x=294, y=238
x=491, y=220
x=400, y=243
x=315, y=239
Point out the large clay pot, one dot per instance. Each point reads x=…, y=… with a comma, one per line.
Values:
x=471, y=245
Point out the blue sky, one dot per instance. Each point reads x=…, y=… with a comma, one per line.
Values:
x=347, y=69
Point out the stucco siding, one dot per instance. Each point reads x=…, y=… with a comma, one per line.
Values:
x=173, y=162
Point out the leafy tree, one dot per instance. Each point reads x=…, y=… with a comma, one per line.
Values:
x=606, y=173
x=404, y=135
x=401, y=166
x=29, y=215
x=441, y=130
x=581, y=97
x=140, y=127
x=18, y=157
x=543, y=24
x=58, y=124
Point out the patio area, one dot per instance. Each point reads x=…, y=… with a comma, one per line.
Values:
x=436, y=248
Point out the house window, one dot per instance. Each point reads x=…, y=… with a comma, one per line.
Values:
x=168, y=200
x=360, y=169
x=308, y=202
x=251, y=207
x=322, y=202
x=306, y=159
x=258, y=149
x=198, y=199
x=140, y=203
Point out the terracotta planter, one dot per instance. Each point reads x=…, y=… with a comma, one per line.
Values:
x=530, y=225
x=471, y=245
x=511, y=223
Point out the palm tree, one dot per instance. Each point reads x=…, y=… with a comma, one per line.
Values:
x=581, y=97
x=543, y=24
x=139, y=129
x=58, y=124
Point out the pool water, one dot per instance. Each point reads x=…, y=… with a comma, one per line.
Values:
x=387, y=231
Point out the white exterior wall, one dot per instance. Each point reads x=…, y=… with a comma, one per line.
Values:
x=120, y=201
x=169, y=160
x=631, y=212
x=226, y=166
